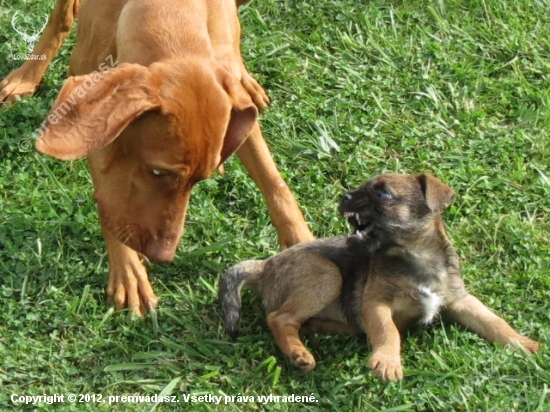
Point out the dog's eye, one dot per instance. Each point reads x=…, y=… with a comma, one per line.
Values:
x=159, y=172
x=383, y=194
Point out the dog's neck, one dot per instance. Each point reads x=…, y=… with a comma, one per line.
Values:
x=429, y=250
x=194, y=30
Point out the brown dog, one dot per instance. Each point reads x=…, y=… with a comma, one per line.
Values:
x=159, y=99
x=398, y=268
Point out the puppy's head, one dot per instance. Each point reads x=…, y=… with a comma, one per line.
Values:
x=393, y=205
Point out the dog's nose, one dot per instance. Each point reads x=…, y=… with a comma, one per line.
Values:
x=160, y=253
x=346, y=198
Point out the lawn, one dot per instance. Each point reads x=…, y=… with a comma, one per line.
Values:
x=459, y=89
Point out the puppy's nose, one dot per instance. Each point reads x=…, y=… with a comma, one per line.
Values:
x=346, y=198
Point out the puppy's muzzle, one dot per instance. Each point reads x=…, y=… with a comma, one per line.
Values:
x=361, y=223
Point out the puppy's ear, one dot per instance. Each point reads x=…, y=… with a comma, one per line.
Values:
x=243, y=116
x=91, y=111
x=438, y=195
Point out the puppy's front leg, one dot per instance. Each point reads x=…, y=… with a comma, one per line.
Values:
x=384, y=337
x=473, y=314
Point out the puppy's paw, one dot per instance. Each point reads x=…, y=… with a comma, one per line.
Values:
x=387, y=367
x=302, y=359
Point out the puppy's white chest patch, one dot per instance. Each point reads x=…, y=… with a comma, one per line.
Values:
x=431, y=303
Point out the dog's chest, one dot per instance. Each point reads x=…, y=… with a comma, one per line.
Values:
x=417, y=303
x=430, y=302
x=424, y=288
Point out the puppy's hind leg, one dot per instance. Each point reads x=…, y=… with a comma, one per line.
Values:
x=285, y=326
x=306, y=301
x=473, y=314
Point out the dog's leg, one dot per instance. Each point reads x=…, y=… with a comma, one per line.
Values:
x=24, y=80
x=285, y=328
x=384, y=337
x=306, y=301
x=283, y=209
x=473, y=314
x=382, y=333
x=317, y=325
x=129, y=285
x=256, y=92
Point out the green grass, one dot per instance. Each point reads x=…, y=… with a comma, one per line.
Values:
x=459, y=89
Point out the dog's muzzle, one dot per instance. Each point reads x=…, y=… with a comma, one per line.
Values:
x=360, y=223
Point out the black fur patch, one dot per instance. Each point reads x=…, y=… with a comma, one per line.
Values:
x=352, y=255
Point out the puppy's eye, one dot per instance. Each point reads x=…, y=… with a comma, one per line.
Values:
x=383, y=194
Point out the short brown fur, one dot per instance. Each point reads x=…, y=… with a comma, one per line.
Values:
x=178, y=103
x=398, y=269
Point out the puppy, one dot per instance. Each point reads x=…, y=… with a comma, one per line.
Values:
x=397, y=269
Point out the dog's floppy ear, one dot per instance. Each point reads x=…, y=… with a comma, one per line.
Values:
x=438, y=195
x=244, y=114
x=92, y=110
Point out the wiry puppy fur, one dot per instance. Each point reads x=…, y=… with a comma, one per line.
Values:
x=398, y=268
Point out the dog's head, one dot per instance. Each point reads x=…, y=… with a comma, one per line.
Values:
x=150, y=134
x=391, y=206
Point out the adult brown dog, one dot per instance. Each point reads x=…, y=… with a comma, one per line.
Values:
x=177, y=104
x=398, y=268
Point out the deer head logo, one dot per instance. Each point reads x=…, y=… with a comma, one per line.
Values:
x=30, y=39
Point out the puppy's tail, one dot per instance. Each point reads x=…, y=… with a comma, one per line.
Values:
x=229, y=296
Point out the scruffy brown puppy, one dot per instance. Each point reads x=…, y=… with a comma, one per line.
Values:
x=398, y=268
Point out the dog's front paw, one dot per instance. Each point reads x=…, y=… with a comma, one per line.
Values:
x=302, y=359
x=387, y=367
x=530, y=345
x=256, y=92
x=129, y=287
x=15, y=85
